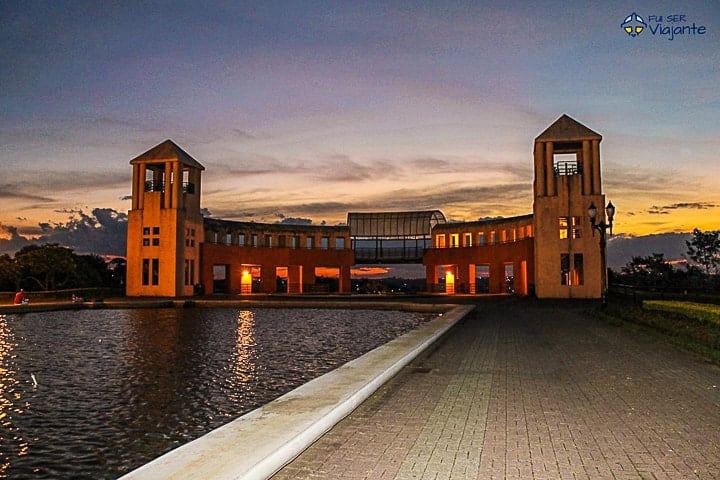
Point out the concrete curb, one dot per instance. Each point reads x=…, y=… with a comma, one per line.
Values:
x=258, y=444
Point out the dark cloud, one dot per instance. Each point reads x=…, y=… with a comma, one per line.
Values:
x=627, y=178
x=491, y=197
x=665, y=209
x=691, y=205
x=10, y=240
x=622, y=248
x=243, y=134
x=655, y=210
x=30, y=186
x=341, y=168
x=11, y=192
x=295, y=221
x=103, y=232
x=423, y=200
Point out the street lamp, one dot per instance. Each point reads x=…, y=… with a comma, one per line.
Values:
x=602, y=227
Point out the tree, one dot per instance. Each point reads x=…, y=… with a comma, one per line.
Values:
x=649, y=271
x=46, y=267
x=9, y=274
x=91, y=271
x=704, y=250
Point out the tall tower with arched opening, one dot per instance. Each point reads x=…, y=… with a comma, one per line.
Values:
x=165, y=226
x=567, y=180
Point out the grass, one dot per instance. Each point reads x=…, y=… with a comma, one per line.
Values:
x=701, y=311
x=690, y=326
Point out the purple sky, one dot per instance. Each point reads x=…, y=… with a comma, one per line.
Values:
x=314, y=109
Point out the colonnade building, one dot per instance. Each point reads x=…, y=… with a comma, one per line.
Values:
x=173, y=251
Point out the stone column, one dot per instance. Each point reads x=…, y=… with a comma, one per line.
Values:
x=549, y=172
x=520, y=277
x=308, y=275
x=166, y=195
x=497, y=278
x=177, y=186
x=295, y=273
x=268, y=278
x=344, y=280
x=587, y=163
x=597, y=188
x=539, y=157
x=431, y=277
x=138, y=187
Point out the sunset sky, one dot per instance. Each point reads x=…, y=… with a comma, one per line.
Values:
x=313, y=109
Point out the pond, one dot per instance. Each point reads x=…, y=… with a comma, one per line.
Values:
x=97, y=393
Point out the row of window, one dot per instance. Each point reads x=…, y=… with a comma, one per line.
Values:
x=151, y=271
x=570, y=227
x=190, y=272
x=151, y=236
x=278, y=241
x=189, y=238
x=574, y=275
x=493, y=237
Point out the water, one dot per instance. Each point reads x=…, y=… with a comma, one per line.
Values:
x=97, y=393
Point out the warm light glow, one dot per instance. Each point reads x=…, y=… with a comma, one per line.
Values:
x=246, y=282
x=449, y=282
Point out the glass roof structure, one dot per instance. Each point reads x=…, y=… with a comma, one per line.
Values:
x=390, y=225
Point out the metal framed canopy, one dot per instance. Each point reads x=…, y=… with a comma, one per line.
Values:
x=394, y=224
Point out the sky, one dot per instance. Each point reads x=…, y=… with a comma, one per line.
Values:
x=310, y=110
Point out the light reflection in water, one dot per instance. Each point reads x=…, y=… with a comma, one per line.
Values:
x=244, y=366
x=10, y=399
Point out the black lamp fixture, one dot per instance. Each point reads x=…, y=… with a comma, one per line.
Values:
x=602, y=227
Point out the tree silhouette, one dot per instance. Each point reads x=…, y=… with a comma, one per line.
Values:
x=704, y=250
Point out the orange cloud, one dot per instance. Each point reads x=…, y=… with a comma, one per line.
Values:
x=362, y=272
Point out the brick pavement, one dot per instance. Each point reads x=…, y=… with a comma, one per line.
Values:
x=522, y=389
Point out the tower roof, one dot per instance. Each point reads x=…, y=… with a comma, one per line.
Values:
x=567, y=129
x=167, y=150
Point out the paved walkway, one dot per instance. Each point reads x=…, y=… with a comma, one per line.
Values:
x=526, y=390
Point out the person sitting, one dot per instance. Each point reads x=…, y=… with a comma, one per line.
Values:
x=20, y=297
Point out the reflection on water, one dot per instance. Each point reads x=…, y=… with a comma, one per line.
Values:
x=13, y=444
x=242, y=365
x=96, y=393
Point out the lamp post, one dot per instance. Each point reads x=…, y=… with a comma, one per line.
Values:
x=602, y=227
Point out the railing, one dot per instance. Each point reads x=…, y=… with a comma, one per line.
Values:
x=664, y=292
x=389, y=254
x=153, y=186
x=159, y=186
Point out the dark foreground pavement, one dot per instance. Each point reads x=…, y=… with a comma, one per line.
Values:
x=523, y=389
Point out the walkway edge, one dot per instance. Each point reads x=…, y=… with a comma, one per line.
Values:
x=258, y=444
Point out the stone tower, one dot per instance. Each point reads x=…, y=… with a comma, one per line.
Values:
x=567, y=180
x=165, y=226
